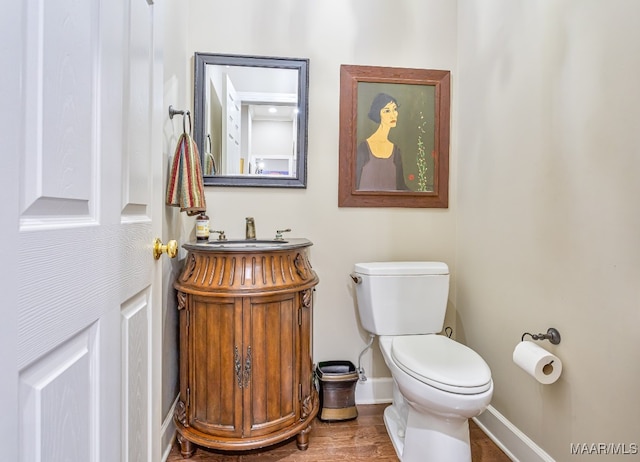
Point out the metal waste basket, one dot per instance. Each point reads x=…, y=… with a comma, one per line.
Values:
x=337, y=390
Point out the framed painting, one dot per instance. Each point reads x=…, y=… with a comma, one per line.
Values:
x=394, y=137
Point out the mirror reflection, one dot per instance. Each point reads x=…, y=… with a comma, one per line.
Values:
x=250, y=119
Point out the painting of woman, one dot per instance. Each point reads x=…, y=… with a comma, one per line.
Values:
x=378, y=159
x=394, y=137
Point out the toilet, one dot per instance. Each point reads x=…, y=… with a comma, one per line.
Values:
x=438, y=383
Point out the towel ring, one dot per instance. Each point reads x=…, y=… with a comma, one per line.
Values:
x=185, y=114
x=184, y=123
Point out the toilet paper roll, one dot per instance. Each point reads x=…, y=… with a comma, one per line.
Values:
x=537, y=362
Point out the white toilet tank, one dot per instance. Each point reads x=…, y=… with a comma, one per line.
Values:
x=402, y=298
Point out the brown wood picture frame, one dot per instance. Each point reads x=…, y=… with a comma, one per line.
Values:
x=415, y=142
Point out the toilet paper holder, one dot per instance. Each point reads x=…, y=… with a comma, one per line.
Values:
x=552, y=335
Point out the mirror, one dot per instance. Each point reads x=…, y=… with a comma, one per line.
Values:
x=250, y=120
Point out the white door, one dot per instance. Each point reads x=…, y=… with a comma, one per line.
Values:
x=86, y=207
x=10, y=124
x=231, y=129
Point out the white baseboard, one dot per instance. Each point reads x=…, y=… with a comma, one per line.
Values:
x=375, y=391
x=168, y=432
x=515, y=444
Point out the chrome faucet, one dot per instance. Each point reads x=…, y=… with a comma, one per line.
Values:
x=279, y=233
x=221, y=235
x=251, y=228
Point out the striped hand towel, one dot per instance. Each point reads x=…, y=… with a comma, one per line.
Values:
x=209, y=161
x=185, y=188
x=209, y=164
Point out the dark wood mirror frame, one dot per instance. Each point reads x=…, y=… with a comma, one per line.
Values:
x=423, y=180
x=299, y=179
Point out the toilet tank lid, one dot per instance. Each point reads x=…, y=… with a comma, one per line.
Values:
x=394, y=268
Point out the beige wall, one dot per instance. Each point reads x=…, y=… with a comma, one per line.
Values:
x=177, y=78
x=542, y=228
x=174, y=78
x=330, y=33
x=548, y=218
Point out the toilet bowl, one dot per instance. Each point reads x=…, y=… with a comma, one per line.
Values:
x=438, y=383
x=426, y=422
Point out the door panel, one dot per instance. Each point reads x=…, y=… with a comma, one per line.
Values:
x=271, y=334
x=59, y=412
x=216, y=388
x=138, y=94
x=135, y=315
x=60, y=108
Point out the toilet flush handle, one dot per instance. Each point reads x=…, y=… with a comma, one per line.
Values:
x=357, y=279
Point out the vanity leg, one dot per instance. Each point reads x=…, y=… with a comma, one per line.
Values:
x=302, y=439
x=187, y=448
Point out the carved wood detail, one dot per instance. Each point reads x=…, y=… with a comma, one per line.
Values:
x=307, y=406
x=245, y=348
x=307, y=297
x=182, y=300
x=180, y=413
x=189, y=267
x=258, y=271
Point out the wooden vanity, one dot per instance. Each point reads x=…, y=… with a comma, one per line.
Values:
x=246, y=366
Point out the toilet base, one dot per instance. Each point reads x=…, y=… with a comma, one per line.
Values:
x=426, y=437
x=395, y=429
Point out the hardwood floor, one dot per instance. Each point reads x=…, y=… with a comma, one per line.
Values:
x=362, y=439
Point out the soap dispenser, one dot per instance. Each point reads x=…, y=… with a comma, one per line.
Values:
x=202, y=228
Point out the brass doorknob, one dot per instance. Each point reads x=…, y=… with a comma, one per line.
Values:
x=170, y=248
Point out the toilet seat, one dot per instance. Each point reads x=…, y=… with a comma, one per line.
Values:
x=441, y=363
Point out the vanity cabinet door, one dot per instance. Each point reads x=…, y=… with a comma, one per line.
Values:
x=272, y=352
x=216, y=381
